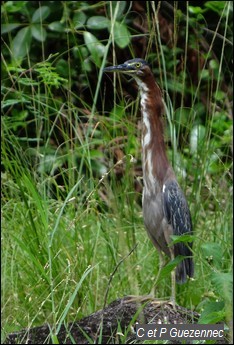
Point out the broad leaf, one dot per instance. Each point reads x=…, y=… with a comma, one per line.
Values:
x=96, y=48
x=79, y=20
x=9, y=27
x=182, y=238
x=170, y=266
x=112, y=7
x=38, y=32
x=98, y=23
x=216, y=6
x=21, y=43
x=223, y=283
x=213, y=313
x=121, y=35
x=56, y=26
x=40, y=14
x=14, y=6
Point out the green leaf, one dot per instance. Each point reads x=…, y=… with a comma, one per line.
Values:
x=96, y=154
x=27, y=81
x=213, y=313
x=40, y=14
x=220, y=95
x=213, y=64
x=28, y=251
x=20, y=115
x=54, y=338
x=121, y=7
x=182, y=238
x=216, y=6
x=49, y=163
x=38, y=32
x=18, y=119
x=73, y=297
x=205, y=74
x=117, y=112
x=62, y=68
x=212, y=252
x=196, y=10
x=10, y=102
x=177, y=87
x=14, y=6
x=21, y=43
x=98, y=23
x=181, y=116
x=96, y=48
x=223, y=283
x=9, y=27
x=79, y=20
x=165, y=271
x=16, y=69
x=56, y=26
x=48, y=74
x=121, y=35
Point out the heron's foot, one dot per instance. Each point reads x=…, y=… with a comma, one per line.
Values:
x=139, y=299
x=163, y=302
x=150, y=298
x=172, y=302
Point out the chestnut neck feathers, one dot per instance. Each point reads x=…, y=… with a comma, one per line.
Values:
x=155, y=162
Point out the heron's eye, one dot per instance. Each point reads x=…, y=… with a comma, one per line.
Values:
x=138, y=65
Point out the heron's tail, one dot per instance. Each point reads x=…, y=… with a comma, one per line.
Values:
x=186, y=267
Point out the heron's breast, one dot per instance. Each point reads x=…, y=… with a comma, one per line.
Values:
x=156, y=225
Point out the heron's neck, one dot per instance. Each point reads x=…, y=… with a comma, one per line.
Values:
x=154, y=161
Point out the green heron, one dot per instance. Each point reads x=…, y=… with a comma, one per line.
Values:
x=165, y=209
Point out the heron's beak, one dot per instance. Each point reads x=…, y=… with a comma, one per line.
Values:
x=118, y=68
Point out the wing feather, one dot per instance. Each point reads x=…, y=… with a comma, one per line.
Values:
x=176, y=212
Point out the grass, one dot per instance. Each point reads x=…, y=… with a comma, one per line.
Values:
x=62, y=241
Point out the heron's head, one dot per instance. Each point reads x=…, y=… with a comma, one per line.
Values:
x=137, y=68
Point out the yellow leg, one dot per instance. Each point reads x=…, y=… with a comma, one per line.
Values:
x=173, y=281
x=161, y=264
x=151, y=296
x=173, y=288
x=172, y=300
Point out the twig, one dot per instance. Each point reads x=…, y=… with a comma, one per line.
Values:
x=108, y=288
x=113, y=273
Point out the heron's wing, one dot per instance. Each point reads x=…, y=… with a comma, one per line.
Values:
x=176, y=212
x=176, y=209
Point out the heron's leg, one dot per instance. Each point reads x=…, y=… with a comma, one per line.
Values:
x=173, y=288
x=173, y=281
x=152, y=294
x=161, y=264
x=146, y=298
x=150, y=297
